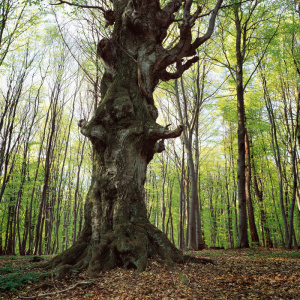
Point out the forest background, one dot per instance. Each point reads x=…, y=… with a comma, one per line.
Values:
x=50, y=80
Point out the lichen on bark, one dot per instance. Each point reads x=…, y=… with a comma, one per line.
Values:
x=125, y=137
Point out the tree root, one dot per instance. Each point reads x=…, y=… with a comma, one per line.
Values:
x=128, y=246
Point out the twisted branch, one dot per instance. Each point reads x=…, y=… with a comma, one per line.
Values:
x=108, y=14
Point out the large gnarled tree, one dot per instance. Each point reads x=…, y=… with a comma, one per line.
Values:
x=125, y=135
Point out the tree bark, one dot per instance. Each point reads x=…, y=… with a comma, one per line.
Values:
x=234, y=194
x=195, y=240
x=294, y=174
x=241, y=166
x=277, y=155
x=252, y=226
x=181, y=243
x=265, y=228
x=229, y=216
x=125, y=136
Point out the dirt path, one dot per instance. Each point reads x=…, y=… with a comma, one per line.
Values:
x=237, y=274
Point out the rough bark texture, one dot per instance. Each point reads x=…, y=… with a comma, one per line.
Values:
x=125, y=136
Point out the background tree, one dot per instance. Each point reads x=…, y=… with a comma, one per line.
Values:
x=241, y=21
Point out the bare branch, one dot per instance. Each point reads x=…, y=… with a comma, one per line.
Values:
x=262, y=56
x=229, y=5
x=67, y=45
x=210, y=29
x=184, y=48
x=58, y=292
x=108, y=14
x=195, y=16
x=78, y=5
x=223, y=6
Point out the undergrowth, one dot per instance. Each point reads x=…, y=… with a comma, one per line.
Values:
x=13, y=278
x=252, y=252
x=279, y=254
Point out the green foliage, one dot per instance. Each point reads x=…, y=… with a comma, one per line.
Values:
x=274, y=254
x=287, y=254
x=8, y=258
x=13, y=278
x=217, y=122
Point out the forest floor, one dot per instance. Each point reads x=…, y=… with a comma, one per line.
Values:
x=236, y=274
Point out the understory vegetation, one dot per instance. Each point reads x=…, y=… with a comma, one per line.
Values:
x=248, y=273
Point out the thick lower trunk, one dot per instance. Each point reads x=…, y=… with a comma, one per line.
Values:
x=117, y=231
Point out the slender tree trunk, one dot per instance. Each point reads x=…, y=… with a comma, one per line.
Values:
x=39, y=225
x=195, y=240
x=164, y=167
x=252, y=226
x=229, y=217
x=60, y=190
x=294, y=174
x=1, y=232
x=241, y=166
x=277, y=155
x=181, y=243
x=259, y=194
x=76, y=193
x=213, y=213
x=234, y=194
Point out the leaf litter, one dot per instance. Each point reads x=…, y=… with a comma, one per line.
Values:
x=236, y=274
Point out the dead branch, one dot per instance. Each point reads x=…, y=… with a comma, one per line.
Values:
x=58, y=292
x=108, y=14
x=78, y=5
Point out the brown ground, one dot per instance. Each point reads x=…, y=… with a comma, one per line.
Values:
x=237, y=274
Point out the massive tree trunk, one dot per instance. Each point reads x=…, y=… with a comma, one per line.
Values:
x=125, y=136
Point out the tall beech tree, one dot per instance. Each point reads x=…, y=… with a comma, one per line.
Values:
x=125, y=135
x=242, y=22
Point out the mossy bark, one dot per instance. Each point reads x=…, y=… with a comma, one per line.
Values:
x=125, y=137
x=117, y=231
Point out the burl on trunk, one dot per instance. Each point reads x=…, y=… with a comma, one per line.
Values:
x=125, y=135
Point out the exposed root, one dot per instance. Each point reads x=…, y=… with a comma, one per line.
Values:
x=197, y=260
x=128, y=246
